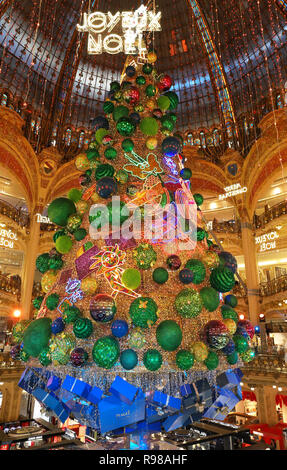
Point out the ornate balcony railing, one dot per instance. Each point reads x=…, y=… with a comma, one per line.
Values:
x=267, y=363
x=18, y=215
x=10, y=285
x=6, y=362
x=279, y=284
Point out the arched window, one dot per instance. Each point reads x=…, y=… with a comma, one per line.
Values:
x=216, y=137
x=81, y=139
x=189, y=139
x=68, y=137
x=202, y=139
x=4, y=99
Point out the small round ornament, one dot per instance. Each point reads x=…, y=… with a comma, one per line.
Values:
x=80, y=234
x=231, y=300
x=61, y=346
x=131, y=278
x=152, y=57
x=198, y=199
x=82, y=328
x=126, y=126
x=170, y=146
x=140, y=80
x=184, y=359
x=173, y=262
x=71, y=314
x=210, y=298
x=169, y=335
x=212, y=360
x=58, y=326
x=149, y=126
x=103, y=308
x=119, y=328
x=48, y=280
x=143, y=312
x=127, y=145
x=228, y=312
x=164, y=83
x=241, y=344
x=151, y=143
x=106, y=351
x=100, y=134
x=135, y=117
x=130, y=71
x=104, y=170
x=38, y=301
x=199, y=351
x=129, y=359
x=106, y=187
x=115, y=86
x=81, y=162
x=42, y=262
x=52, y=301
x=152, y=359
x=131, y=95
x=247, y=326
x=248, y=356
x=79, y=357
x=230, y=325
x=163, y=103
x=122, y=176
x=89, y=285
x=64, y=244
x=232, y=358
x=145, y=256
x=74, y=222
x=222, y=279
x=229, y=348
x=186, y=173
x=150, y=90
x=198, y=270
x=147, y=69
x=188, y=303
x=185, y=276
x=160, y=275
x=60, y=209
x=110, y=153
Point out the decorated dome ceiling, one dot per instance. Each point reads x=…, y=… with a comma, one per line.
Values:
x=223, y=55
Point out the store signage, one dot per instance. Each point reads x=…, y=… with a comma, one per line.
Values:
x=232, y=190
x=42, y=219
x=130, y=24
x=267, y=242
x=7, y=237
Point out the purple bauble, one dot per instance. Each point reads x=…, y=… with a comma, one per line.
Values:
x=173, y=262
x=229, y=348
x=15, y=352
x=58, y=326
x=78, y=357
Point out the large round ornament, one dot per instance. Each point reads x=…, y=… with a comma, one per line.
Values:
x=216, y=334
x=100, y=122
x=60, y=209
x=198, y=270
x=131, y=278
x=248, y=356
x=199, y=350
x=106, y=351
x=145, y=256
x=188, y=303
x=106, y=187
x=79, y=357
x=119, y=328
x=184, y=359
x=210, y=259
x=229, y=348
x=198, y=199
x=48, y=280
x=122, y=176
x=36, y=336
x=111, y=153
x=164, y=83
x=210, y=298
x=173, y=98
x=152, y=359
x=228, y=260
x=64, y=244
x=128, y=359
x=42, y=262
x=169, y=335
x=104, y=170
x=212, y=360
x=131, y=95
x=82, y=328
x=247, y=325
x=89, y=285
x=185, y=276
x=126, y=126
x=127, y=145
x=160, y=275
x=52, y=301
x=108, y=107
x=173, y=262
x=119, y=112
x=58, y=326
x=143, y=312
x=231, y=300
x=241, y=344
x=163, y=103
x=222, y=279
x=170, y=146
x=60, y=347
x=75, y=194
x=103, y=308
x=149, y=126
x=137, y=338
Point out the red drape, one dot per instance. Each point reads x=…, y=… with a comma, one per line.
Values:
x=247, y=395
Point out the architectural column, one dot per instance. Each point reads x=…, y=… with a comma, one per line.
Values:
x=29, y=264
x=266, y=405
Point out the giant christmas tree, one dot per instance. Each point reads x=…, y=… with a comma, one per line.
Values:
x=134, y=286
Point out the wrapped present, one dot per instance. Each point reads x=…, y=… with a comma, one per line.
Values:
x=156, y=413
x=223, y=405
x=176, y=421
x=114, y=413
x=185, y=390
x=123, y=390
x=30, y=380
x=165, y=400
x=200, y=398
x=229, y=379
x=95, y=395
x=53, y=383
x=78, y=387
x=50, y=400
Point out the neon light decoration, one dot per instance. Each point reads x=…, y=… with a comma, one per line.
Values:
x=140, y=167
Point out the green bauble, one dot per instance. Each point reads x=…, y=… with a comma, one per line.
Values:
x=110, y=153
x=42, y=262
x=71, y=314
x=100, y=134
x=115, y=86
x=37, y=302
x=232, y=358
x=24, y=356
x=150, y=90
x=56, y=262
x=137, y=338
x=118, y=213
x=75, y=194
x=19, y=329
x=231, y=300
x=173, y=98
x=143, y=312
x=93, y=153
x=45, y=357
x=74, y=222
x=248, y=356
x=122, y=176
x=127, y=145
x=61, y=346
x=140, y=80
x=145, y=256
x=103, y=170
x=106, y=351
x=36, y=336
x=131, y=278
x=198, y=199
x=210, y=298
x=52, y=301
x=198, y=269
x=108, y=107
x=119, y=112
x=149, y=126
x=147, y=69
x=160, y=275
x=188, y=303
x=167, y=123
x=152, y=359
x=129, y=359
x=126, y=126
x=228, y=312
x=64, y=244
x=58, y=234
x=200, y=234
x=82, y=328
x=241, y=344
x=184, y=359
x=60, y=209
x=169, y=335
x=222, y=279
x=186, y=173
x=212, y=360
x=163, y=103
x=210, y=259
x=80, y=234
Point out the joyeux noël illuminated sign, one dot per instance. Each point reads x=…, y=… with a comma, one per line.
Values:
x=102, y=36
x=232, y=190
x=267, y=241
x=7, y=237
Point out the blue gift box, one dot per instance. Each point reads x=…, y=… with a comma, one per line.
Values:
x=155, y=414
x=29, y=381
x=223, y=405
x=176, y=421
x=229, y=379
x=95, y=395
x=51, y=401
x=123, y=390
x=78, y=387
x=53, y=383
x=185, y=390
x=163, y=399
x=114, y=413
x=200, y=398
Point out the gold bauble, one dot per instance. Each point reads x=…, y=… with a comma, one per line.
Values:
x=82, y=163
x=48, y=280
x=210, y=259
x=89, y=285
x=151, y=104
x=199, y=350
x=95, y=198
x=230, y=325
x=152, y=57
x=82, y=207
x=151, y=143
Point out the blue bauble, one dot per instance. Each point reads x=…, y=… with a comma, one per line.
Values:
x=102, y=308
x=229, y=348
x=100, y=122
x=119, y=328
x=185, y=276
x=135, y=117
x=228, y=260
x=58, y=326
x=130, y=71
x=242, y=332
x=128, y=359
x=170, y=146
x=106, y=187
